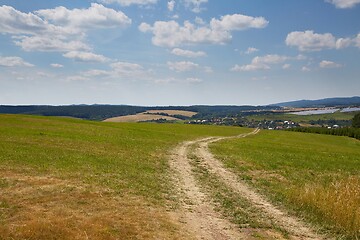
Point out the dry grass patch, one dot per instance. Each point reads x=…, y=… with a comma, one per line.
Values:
x=45, y=207
x=338, y=203
x=173, y=112
x=140, y=117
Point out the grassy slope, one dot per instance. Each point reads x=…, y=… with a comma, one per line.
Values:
x=68, y=178
x=315, y=175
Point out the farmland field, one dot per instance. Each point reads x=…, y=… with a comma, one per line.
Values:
x=140, y=117
x=74, y=179
x=66, y=178
x=315, y=176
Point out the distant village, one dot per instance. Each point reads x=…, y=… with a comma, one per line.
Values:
x=244, y=122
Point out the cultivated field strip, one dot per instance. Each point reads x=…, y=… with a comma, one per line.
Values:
x=198, y=211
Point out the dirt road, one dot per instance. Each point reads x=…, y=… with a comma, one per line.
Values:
x=197, y=213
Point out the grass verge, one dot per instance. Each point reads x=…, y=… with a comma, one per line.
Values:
x=315, y=176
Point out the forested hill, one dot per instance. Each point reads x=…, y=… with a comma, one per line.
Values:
x=101, y=112
x=327, y=102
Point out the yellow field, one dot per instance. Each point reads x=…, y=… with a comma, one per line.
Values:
x=140, y=117
x=173, y=112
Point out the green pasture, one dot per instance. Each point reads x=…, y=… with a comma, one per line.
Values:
x=308, y=173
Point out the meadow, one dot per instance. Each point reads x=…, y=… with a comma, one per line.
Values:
x=317, y=177
x=66, y=178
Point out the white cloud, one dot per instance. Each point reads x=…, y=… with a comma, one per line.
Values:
x=171, y=5
x=85, y=56
x=14, y=62
x=286, y=66
x=128, y=70
x=238, y=22
x=261, y=63
x=56, y=65
x=130, y=2
x=58, y=29
x=251, y=50
x=13, y=21
x=249, y=67
x=183, y=66
x=50, y=44
x=96, y=16
x=357, y=40
x=310, y=41
x=199, y=21
x=344, y=3
x=270, y=59
x=343, y=43
x=329, y=64
x=96, y=73
x=187, y=53
x=195, y=5
x=172, y=34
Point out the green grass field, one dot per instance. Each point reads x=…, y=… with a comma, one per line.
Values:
x=73, y=179
x=316, y=176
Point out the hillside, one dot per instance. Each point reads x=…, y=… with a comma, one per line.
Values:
x=74, y=179
x=327, y=102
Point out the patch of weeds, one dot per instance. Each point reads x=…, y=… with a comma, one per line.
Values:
x=4, y=183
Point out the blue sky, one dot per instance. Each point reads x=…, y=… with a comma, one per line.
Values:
x=178, y=52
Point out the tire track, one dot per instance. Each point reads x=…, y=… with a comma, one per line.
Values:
x=197, y=211
x=295, y=227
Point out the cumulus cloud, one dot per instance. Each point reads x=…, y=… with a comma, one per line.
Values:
x=172, y=34
x=183, y=66
x=56, y=65
x=310, y=41
x=344, y=3
x=58, y=29
x=130, y=2
x=171, y=5
x=249, y=67
x=261, y=63
x=85, y=56
x=96, y=16
x=195, y=5
x=14, y=62
x=187, y=53
x=329, y=64
x=50, y=43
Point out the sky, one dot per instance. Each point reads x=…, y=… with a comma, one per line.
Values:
x=178, y=52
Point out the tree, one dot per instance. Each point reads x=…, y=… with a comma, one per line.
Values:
x=356, y=121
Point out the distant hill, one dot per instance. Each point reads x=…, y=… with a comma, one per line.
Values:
x=326, y=102
x=101, y=112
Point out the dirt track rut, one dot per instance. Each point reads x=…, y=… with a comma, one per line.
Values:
x=196, y=213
